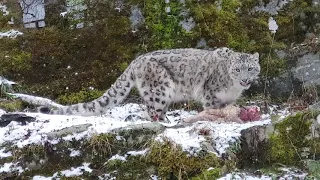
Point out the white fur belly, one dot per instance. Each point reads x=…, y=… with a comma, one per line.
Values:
x=230, y=95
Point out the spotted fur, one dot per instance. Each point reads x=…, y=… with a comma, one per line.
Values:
x=215, y=78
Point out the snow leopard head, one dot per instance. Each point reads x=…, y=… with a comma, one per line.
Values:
x=244, y=68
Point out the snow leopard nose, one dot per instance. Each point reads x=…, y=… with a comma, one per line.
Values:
x=245, y=80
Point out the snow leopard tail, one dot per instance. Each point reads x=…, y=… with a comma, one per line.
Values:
x=113, y=96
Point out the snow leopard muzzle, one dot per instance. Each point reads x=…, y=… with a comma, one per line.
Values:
x=245, y=82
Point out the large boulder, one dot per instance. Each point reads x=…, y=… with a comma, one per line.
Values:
x=290, y=141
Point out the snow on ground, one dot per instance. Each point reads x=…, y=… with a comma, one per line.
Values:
x=10, y=34
x=130, y=153
x=8, y=167
x=4, y=10
x=272, y=7
x=74, y=153
x=4, y=81
x=78, y=171
x=4, y=154
x=40, y=131
x=223, y=134
x=287, y=175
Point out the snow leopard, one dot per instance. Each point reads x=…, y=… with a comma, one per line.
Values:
x=216, y=78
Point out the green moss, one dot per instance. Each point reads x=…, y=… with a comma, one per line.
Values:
x=221, y=26
x=314, y=169
x=167, y=161
x=162, y=29
x=272, y=66
x=163, y=159
x=214, y=173
x=173, y=163
x=292, y=142
x=81, y=96
x=12, y=106
x=135, y=167
x=137, y=138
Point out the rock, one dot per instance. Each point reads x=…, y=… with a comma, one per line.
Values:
x=152, y=126
x=315, y=106
x=254, y=145
x=2, y=111
x=307, y=69
x=261, y=145
x=69, y=130
x=21, y=118
x=279, y=87
x=315, y=128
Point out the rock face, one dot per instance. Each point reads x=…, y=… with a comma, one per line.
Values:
x=307, y=69
x=303, y=71
x=279, y=87
x=254, y=145
x=289, y=141
x=20, y=118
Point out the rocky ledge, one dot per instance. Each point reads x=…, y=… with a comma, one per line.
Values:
x=122, y=145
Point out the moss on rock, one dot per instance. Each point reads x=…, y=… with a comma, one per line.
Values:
x=11, y=106
x=173, y=163
x=292, y=142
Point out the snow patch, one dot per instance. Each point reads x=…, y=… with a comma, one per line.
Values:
x=137, y=153
x=272, y=7
x=222, y=134
x=4, y=10
x=10, y=34
x=4, y=81
x=9, y=167
x=4, y=154
x=273, y=26
x=45, y=126
x=129, y=153
x=118, y=157
x=75, y=171
x=74, y=153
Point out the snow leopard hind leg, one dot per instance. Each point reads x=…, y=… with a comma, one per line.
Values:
x=155, y=87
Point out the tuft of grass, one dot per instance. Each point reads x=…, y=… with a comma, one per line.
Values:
x=101, y=144
x=174, y=163
x=12, y=106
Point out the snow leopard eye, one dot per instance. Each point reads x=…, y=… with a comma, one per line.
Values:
x=250, y=69
x=238, y=70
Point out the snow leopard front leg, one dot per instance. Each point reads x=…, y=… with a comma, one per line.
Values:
x=210, y=101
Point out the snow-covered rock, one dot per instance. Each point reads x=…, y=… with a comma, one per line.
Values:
x=10, y=34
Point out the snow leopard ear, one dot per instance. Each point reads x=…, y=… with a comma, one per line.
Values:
x=256, y=56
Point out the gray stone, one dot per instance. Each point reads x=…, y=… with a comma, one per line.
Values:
x=152, y=126
x=136, y=18
x=254, y=145
x=22, y=119
x=272, y=7
x=315, y=106
x=307, y=69
x=69, y=130
x=279, y=87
